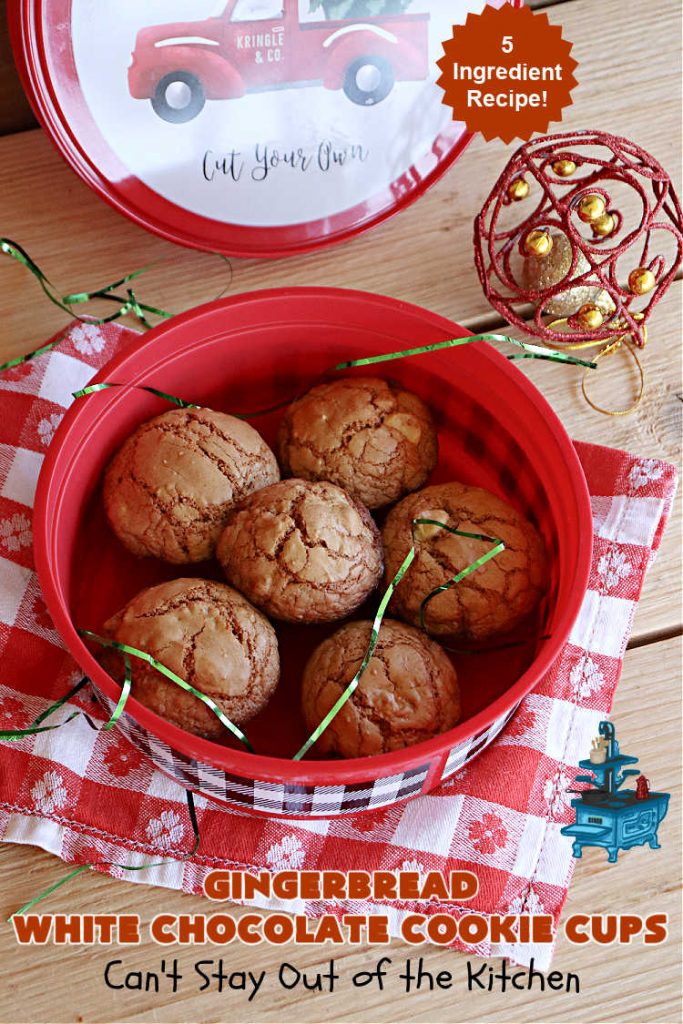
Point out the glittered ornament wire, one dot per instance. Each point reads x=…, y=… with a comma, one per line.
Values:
x=627, y=164
x=126, y=649
x=381, y=611
x=610, y=350
x=121, y=867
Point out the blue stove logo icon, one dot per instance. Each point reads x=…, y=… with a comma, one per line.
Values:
x=606, y=814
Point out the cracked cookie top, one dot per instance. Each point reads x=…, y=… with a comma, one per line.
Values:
x=408, y=692
x=365, y=434
x=302, y=551
x=211, y=637
x=495, y=597
x=169, y=488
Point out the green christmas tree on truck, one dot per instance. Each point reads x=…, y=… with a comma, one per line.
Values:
x=337, y=10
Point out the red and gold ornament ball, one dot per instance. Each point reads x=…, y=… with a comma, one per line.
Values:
x=587, y=228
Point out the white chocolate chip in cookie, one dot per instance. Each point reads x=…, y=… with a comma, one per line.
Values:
x=406, y=425
x=425, y=531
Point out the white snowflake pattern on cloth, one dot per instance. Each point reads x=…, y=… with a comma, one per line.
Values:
x=47, y=427
x=15, y=532
x=613, y=567
x=456, y=778
x=643, y=472
x=166, y=831
x=286, y=855
x=527, y=902
x=555, y=793
x=49, y=793
x=414, y=865
x=586, y=677
x=88, y=339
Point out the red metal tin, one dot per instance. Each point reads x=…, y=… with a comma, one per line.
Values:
x=252, y=351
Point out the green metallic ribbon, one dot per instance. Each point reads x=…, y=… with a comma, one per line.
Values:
x=379, y=617
x=529, y=352
x=19, y=360
x=180, y=402
x=499, y=547
x=131, y=305
x=122, y=867
x=91, y=389
x=37, y=726
x=128, y=303
x=169, y=674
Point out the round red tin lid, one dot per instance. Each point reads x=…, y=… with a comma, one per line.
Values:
x=247, y=127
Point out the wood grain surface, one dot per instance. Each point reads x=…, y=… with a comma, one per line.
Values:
x=629, y=82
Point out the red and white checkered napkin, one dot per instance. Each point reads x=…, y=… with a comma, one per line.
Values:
x=92, y=797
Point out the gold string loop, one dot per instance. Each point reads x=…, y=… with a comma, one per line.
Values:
x=624, y=342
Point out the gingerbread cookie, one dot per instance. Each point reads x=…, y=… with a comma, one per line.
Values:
x=496, y=596
x=302, y=551
x=169, y=488
x=408, y=692
x=212, y=638
x=369, y=436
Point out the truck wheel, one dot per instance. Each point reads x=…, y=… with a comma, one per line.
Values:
x=368, y=80
x=179, y=97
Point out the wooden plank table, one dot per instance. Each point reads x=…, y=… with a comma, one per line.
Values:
x=629, y=75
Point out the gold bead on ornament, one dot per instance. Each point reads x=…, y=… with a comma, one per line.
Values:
x=564, y=168
x=590, y=317
x=591, y=208
x=538, y=242
x=604, y=225
x=518, y=189
x=641, y=281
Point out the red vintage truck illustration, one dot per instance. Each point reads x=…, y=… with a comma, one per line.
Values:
x=259, y=45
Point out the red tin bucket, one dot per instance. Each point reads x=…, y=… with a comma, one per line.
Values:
x=249, y=352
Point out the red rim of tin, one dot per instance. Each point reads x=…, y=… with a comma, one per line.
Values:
x=258, y=765
x=150, y=210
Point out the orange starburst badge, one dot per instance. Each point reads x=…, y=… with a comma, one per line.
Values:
x=507, y=73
